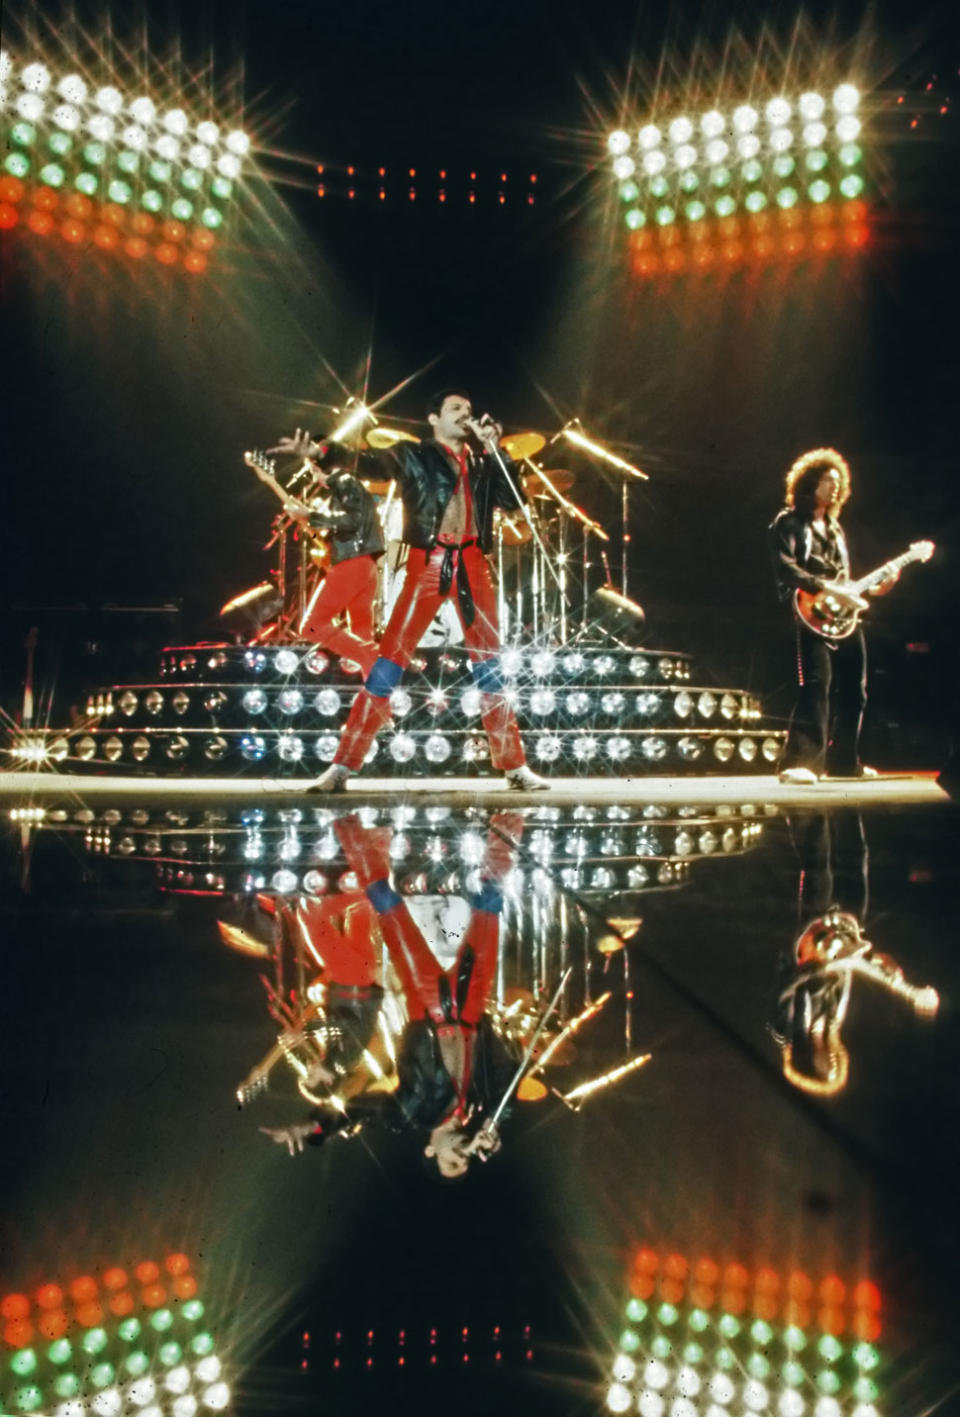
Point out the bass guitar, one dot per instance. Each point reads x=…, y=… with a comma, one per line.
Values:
x=830, y=614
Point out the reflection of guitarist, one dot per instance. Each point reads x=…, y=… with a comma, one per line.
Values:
x=356, y=543
x=817, y=971
x=810, y=555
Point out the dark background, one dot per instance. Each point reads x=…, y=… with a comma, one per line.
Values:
x=130, y=393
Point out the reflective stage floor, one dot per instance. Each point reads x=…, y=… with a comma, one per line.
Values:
x=727, y=1183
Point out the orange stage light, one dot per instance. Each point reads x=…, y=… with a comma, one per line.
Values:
x=49, y=1296
x=177, y=1263
x=90, y=1315
x=184, y=1286
x=646, y=1261
x=11, y=189
x=767, y=1281
x=173, y=230
x=115, y=1278
x=53, y=1324
x=154, y=1296
x=78, y=205
x=136, y=247
x=706, y=1271
x=18, y=1333
x=106, y=238
x=121, y=1303
x=735, y=1276
x=73, y=231
x=9, y=216
x=203, y=240
x=195, y=262
x=83, y=1288
x=142, y=223
x=113, y=214
x=45, y=199
x=15, y=1306
x=166, y=253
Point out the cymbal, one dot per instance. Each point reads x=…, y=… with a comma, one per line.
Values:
x=382, y=438
x=523, y=445
x=560, y=477
x=379, y=486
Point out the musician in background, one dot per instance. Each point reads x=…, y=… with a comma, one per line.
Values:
x=349, y=588
x=810, y=553
x=449, y=494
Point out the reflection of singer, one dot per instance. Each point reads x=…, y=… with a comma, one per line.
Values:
x=449, y=494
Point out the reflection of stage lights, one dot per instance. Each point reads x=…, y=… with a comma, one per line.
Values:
x=724, y=749
x=654, y=749
x=577, y=703
x=254, y=661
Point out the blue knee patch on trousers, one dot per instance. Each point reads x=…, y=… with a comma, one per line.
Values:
x=487, y=675
x=382, y=896
x=383, y=678
x=489, y=898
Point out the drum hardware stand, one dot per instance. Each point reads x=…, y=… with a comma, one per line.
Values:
x=573, y=432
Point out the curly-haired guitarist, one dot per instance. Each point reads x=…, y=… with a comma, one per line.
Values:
x=810, y=557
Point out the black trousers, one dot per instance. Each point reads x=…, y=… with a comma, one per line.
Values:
x=825, y=724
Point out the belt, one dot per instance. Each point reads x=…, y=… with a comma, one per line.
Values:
x=464, y=593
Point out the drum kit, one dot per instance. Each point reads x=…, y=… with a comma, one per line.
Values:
x=537, y=545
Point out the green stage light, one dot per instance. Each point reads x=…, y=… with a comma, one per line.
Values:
x=95, y=153
x=720, y=176
x=67, y=1385
x=222, y=187
x=202, y=1344
x=755, y=201
x=786, y=198
x=699, y=1320
x=94, y=1340
x=666, y=216
x=29, y=1398
x=181, y=209
x=23, y=133
x=851, y=185
x=725, y=205
x=60, y=143
x=635, y=218
x=752, y=171
x=829, y=1348
x=689, y=181
x=818, y=191
x=828, y=1382
x=119, y=192
x=86, y=183
x=866, y=1357
x=794, y=1338
x=637, y=1311
x=102, y=1374
x=60, y=1351
x=850, y=154
x=629, y=1341
x=816, y=160
x=783, y=165
x=24, y=1362
x=660, y=1346
x=761, y=1332
x=668, y=1314
x=865, y=1390
x=128, y=161
x=659, y=187
x=695, y=211
x=211, y=218
x=629, y=192
x=161, y=1320
x=160, y=171
x=52, y=173
x=170, y=1353
x=693, y=1354
x=129, y=1330
x=792, y=1374
x=725, y=1359
x=191, y=179
x=758, y=1367
x=192, y=1310
x=136, y=1363
x=151, y=200
x=728, y=1326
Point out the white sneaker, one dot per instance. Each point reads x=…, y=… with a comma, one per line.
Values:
x=798, y=776
x=524, y=779
x=333, y=780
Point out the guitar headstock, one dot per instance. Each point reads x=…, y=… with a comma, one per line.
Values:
x=922, y=550
x=251, y=1087
x=263, y=466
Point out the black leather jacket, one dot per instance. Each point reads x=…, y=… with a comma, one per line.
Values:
x=352, y=518
x=804, y=558
x=427, y=482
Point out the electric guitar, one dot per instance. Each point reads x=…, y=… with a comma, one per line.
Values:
x=834, y=619
x=266, y=469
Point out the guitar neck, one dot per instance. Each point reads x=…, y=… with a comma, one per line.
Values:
x=882, y=572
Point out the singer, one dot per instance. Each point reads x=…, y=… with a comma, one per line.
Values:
x=449, y=493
